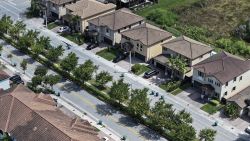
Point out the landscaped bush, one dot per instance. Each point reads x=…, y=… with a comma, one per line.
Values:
x=214, y=102
x=171, y=86
x=139, y=69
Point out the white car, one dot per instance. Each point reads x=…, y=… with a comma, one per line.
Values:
x=105, y=139
x=63, y=29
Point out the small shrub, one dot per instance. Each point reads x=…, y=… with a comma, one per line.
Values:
x=214, y=102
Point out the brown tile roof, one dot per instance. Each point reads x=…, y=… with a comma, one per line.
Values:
x=60, y=2
x=240, y=98
x=29, y=119
x=147, y=34
x=223, y=66
x=187, y=47
x=89, y=8
x=117, y=20
x=3, y=75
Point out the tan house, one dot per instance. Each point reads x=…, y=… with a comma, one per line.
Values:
x=222, y=76
x=86, y=10
x=108, y=27
x=191, y=51
x=56, y=8
x=145, y=41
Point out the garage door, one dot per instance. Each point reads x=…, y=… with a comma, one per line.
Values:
x=197, y=84
x=160, y=66
x=108, y=41
x=141, y=57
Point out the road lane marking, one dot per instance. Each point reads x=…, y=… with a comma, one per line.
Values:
x=10, y=11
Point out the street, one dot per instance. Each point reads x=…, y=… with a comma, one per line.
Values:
x=109, y=115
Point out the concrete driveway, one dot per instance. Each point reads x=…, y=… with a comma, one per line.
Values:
x=191, y=96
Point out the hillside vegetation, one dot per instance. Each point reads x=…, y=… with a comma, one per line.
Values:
x=210, y=21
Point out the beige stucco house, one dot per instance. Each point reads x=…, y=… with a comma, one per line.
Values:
x=145, y=41
x=222, y=76
x=191, y=51
x=86, y=10
x=56, y=8
x=109, y=26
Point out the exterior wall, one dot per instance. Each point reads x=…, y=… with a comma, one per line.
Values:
x=115, y=36
x=201, y=58
x=5, y=84
x=238, y=84
x=204, y=80
x=84, y=22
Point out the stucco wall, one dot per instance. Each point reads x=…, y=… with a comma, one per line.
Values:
x=201, y=58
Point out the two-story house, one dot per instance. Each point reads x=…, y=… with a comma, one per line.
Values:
x=4, y=81
x=145, y=41
x=222, y=76
x=108, y=27
x=191, y=51
x=86, y=10
x=56, y=8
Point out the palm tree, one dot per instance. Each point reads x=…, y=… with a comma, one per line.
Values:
x=207, y=134
x=177, y=64
x=17, y=29
x=6, y=23
x=45, y=41
x=74, y=21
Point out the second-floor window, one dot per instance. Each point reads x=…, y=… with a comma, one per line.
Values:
x=234, y=88
x=240, y=78
x=201, y=74
x=235, y=78
x=107, y=30
x=210, y=80
x=226, y=83
x=217, y=84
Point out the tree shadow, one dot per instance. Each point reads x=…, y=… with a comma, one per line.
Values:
x=243, y=137
x=128, y=121
x=69, y=87
x=17, y=53
x=30, y=60
x=149, y=134
x=105, y=110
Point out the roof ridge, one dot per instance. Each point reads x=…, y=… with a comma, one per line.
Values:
x=191, y=50
x=10, y=111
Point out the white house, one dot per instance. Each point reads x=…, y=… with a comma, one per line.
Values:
x=4, y=81
x=222, y=76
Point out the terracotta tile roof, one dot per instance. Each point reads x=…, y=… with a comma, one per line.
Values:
x=187, y=47
x=31, y=117
x=240, y=98
x=3, y=75
x=223, y=66
x=147, y=34
x=89, y=8
x=117, y=20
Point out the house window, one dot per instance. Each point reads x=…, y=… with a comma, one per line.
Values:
x=161, y=40
x=235, y=78
x=107, y=30
x=201, y=56
x=200, y=74
x=217, y=84
x=225, y=93
x=210, y=80
x=234, y=88
x=226, y=83
x=141, y=48
x=119, y=31
x=129, y=27
x=240, y=77
x=139, y=22
x=137, y=45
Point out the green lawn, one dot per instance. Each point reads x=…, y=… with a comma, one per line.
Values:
x=210, y=108
x=108, y=54
x=52, y=25
x=181, y=88
x=139, y=69
x=74, y=37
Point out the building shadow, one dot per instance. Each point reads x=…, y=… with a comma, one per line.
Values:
x=30, y=60
x=243, y=137
x=70, y=87
x=17, y=53
x=105, y=109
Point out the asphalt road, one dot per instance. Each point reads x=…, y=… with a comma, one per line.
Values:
x=107, y=114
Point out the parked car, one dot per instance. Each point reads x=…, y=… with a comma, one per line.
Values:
x=248, y=129
x=91, y=46
x=16, y=79
x=63, y=29
x=120, y=57
x=150, y=73
x=105, y=139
